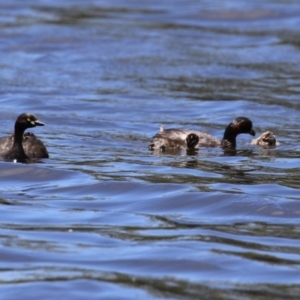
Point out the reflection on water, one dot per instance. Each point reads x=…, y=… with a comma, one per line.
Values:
x=106, y=215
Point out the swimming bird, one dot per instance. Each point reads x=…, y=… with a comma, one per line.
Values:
x=22, y=146
x=176, y=138
x=266, y=139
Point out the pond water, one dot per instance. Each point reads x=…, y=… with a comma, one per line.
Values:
x=104, y=218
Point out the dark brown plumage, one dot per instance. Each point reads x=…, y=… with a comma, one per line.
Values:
x=190, y=139
x=22, y=146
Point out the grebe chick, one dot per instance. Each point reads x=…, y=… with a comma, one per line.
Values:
x=266, y=139
x=22, y=146
x=189, y=139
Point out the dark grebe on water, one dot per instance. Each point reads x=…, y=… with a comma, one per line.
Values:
x=20, y=146
x=190, y=139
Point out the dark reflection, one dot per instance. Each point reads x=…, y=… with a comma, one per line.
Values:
x=195, y=152
x=77, y=13
x=5, y=202
x=165, y=152
x=266, y=258
x=238, y=152
x=192, y=152
x=26, y=161
x=64, y=279
x=229, y=152
x=159, y=152
x=34, y=161
x=192, y=163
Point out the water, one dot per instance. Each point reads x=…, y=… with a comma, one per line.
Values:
x=104, y=217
